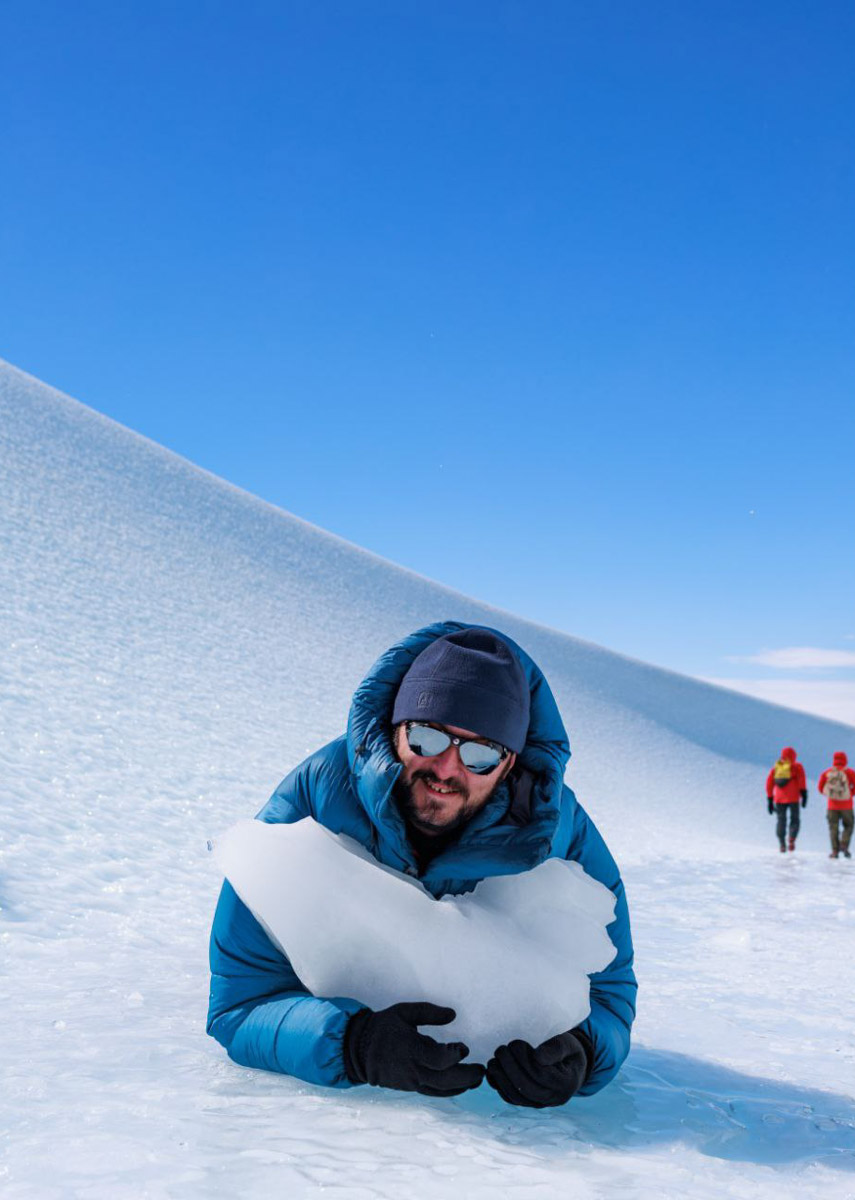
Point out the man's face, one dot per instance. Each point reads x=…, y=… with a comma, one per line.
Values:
x=438, y=794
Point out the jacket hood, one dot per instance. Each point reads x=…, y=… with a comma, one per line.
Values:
x=788, y=753
x=375, y=766
x=840, y=760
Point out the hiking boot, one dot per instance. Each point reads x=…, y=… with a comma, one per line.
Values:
x=833, y=854
x=783, y=847
x=846, y=854
x=792, y=843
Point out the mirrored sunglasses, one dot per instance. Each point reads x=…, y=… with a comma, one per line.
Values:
x=477, y=756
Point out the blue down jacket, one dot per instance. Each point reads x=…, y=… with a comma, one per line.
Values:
x=261, y=1012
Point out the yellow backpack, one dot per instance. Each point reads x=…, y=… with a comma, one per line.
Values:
x=783, y=772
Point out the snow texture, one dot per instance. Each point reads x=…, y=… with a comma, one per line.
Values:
x=833, y=698
x=353, y=928
x=170, y=648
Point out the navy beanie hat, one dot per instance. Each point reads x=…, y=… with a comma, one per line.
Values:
x=470, y=680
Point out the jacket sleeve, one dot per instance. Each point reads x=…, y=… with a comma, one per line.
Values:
x=613, y=991
x=259, y=1010
x=822, y=782
x=770, y=783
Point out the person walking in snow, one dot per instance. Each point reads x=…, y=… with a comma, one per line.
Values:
x=451, y=770
x=837, y=784
x=785, y=787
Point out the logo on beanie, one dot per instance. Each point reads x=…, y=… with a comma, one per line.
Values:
x=423, y=700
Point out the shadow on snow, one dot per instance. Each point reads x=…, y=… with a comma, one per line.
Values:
x=661, y=1097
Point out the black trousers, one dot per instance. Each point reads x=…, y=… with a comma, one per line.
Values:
x=795, y=821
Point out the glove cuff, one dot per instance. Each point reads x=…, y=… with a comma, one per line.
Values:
x=352, y=1045
x=588, y=1046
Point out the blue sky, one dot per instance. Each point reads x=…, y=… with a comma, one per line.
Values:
x=551, y=302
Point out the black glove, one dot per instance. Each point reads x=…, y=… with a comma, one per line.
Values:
x=538, y=1077
x=771, y=804
x=386, y=1049
x=804, y=799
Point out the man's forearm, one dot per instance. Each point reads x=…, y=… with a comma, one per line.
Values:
x=260, y=1011
x=608, y=1029
x=299, y=1035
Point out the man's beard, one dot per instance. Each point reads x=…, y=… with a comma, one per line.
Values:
x=422, y=820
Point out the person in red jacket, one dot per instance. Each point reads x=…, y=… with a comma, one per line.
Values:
x=785, y=786
x=837, y=784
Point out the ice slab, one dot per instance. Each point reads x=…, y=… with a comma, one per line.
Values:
x=512, y=958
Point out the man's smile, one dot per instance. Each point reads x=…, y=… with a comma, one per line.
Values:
x=438, y=788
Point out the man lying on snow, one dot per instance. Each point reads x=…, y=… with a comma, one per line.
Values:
x=451, y=770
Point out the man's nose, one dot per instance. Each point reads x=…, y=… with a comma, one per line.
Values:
x=448, y=763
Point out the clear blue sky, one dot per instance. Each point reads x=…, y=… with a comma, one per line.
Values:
x=550, y=301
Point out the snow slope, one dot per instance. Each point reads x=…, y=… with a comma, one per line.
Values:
x=171, y=647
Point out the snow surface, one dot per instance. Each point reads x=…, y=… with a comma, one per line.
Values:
x=171, y=647
x=318, y=895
